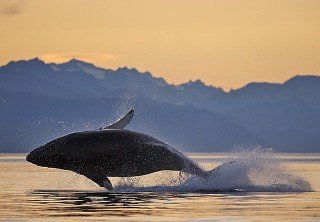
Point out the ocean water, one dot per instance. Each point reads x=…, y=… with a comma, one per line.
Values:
x=249, y=186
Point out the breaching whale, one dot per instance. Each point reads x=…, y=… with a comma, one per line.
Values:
x=112, y=152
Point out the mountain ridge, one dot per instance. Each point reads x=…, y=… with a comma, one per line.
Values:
x=73, y=61
x=35, y=96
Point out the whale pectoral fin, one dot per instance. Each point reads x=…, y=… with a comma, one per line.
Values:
x=121, y=123
x=99, y=178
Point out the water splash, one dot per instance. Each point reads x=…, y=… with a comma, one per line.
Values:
x=254, y=170
x=127, y=99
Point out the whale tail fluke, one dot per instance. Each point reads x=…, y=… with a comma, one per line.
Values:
x=194, y=169
x=198, y=171
x=218, y=169
x=121, y=123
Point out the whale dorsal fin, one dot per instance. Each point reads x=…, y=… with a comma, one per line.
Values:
x=121, y=123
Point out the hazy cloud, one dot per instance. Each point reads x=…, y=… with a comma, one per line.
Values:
x=88, y=57
x=11, y=7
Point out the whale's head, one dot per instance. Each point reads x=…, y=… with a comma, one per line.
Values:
x=49, y=155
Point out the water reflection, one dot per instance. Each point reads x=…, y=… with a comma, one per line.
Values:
x=79, y=203
x=72, y=203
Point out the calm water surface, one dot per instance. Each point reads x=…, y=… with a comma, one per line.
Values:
x=31, y=193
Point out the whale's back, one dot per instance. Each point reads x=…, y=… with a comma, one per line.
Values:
x=122, y=152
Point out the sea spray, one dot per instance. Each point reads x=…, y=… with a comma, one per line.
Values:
x=127, y=98
x=251, y=170
x=256, y=170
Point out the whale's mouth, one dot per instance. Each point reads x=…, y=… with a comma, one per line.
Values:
x=31, y=159
x=40, y=157
x=35, y=155
x=34, y=160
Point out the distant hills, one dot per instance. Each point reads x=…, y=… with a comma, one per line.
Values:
x=40, y=101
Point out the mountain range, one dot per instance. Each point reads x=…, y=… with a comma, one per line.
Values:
x=40, y=101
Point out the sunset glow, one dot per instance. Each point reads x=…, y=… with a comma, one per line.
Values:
x=223, y=43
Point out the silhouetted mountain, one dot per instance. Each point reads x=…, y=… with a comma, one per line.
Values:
x=28, y=120
x=39, y=101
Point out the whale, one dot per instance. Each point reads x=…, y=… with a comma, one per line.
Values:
x=112, y=151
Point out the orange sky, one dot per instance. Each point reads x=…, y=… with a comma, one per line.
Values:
x=224, y=43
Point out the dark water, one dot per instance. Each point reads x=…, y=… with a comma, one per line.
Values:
x=285, y=187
